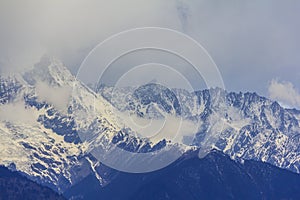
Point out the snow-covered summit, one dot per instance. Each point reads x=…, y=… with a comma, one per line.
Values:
x=45, y=111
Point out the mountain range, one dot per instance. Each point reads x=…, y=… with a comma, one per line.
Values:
x=49, y=121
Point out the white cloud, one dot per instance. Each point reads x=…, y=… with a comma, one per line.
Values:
x=69, y=29
x=57, y=96
x=241, y=36
x=18, y=113
x=248, y=40
x=285, y=93
x=169, y=127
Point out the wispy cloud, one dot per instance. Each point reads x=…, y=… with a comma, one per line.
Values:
x=57, y=96
x=285, y=93
x=18, y=113
x=169, y=127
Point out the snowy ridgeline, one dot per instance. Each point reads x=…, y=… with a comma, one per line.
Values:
x=39, y=124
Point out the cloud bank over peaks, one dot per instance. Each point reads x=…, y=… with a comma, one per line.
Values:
x=70, y=29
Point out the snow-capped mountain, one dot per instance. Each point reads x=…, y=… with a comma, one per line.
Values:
x=49, y=120
x=245, y=126
x=36, y=139
x=42, y=113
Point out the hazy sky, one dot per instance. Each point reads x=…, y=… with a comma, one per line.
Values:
x=254, y=43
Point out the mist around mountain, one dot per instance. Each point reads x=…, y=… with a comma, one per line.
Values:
x=49, y=121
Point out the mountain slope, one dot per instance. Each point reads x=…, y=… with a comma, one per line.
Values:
x=214, y=177
x=37, y=135
x=40, y=128
x=14, y=186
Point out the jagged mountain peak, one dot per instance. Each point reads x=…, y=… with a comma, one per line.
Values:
x=242, y=125
x=49, y=70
